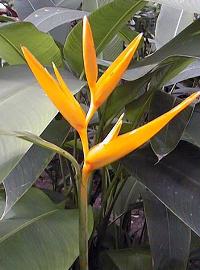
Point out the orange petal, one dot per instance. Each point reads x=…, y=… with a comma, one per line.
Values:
x=89, y=55
x=103, y=154
x=66, y=91
x=114, y=131
x=58, y=93
x=111, y=77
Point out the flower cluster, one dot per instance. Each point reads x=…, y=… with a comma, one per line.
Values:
x=114, y=146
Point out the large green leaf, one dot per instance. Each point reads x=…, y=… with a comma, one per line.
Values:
x=167, y=139
x=126, y=259
x=128, y=196
x=129, y=91
x=36, y=235
x=185, y=44
x=89, y=5
x=46, y=19
x=123, y=95
x=192, y=131
x=193, y=70
x=42, y=45
x=175, y=180
x=105, y=23
x=169, y=237
x=23, y=107
x=25, y=7
x=137, y=109
x=113, y=49
x=33, y=164
x=127, y=34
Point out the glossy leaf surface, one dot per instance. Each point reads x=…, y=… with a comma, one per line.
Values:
x=169, y=237
x=37, y=235
x=33, y=163
x=109, y=19
x=42, y=45
x=175, y=180
x=23, y=107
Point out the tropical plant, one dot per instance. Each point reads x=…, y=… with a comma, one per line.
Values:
x=41, y=235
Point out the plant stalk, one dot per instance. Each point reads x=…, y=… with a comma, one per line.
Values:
x=83, y=222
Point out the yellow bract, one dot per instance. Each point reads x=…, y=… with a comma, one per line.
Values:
x=89, y=56
x=57, y=91
x=103, y=154
x=114, y=146
x=60, y=95
x=101, y=89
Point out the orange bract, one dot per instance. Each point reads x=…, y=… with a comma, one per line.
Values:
x=101, y=89
x=89, y=55
x=58, y=92
x=103, y=154
x=114, y=146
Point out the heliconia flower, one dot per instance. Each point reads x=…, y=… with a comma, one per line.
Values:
x=101, y=89
x=60, y=95
x=106, y=153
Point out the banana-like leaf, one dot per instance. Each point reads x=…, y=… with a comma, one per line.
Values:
x=137, y=109
x=192, y=71
x=42, y=45
x=169, y=237
x=127, y=34
x=170, y=23
x=126, y=259
x=187, y=5
x=192, y=131
x=72, y=4
x=25, y=7
x=105, y=23
x=89, y=5
x=22, y=177
x=175, y=180
x=35, y=234
x=23, y=107
x=113, y=49
x=184, y=44
x=128, y=195
x=168, y=138
x=46, y=19
x=129, y=91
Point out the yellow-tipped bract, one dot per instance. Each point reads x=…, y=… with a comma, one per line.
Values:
x=114, y=146
x=89, y=56
x=58, y=92
x=101, y=89
x=103, y=154
x=114, y=131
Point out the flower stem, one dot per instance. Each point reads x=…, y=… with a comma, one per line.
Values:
x=83, y=222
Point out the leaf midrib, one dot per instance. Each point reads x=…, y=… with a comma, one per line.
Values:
x=13, y=46
x=26, y=224
x=98, y=49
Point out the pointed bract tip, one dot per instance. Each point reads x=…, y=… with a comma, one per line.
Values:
x=85, y=19
x=121, y=117
x=24, y=50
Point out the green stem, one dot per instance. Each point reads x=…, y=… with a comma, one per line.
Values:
x=74, y=182
x=83, y=222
